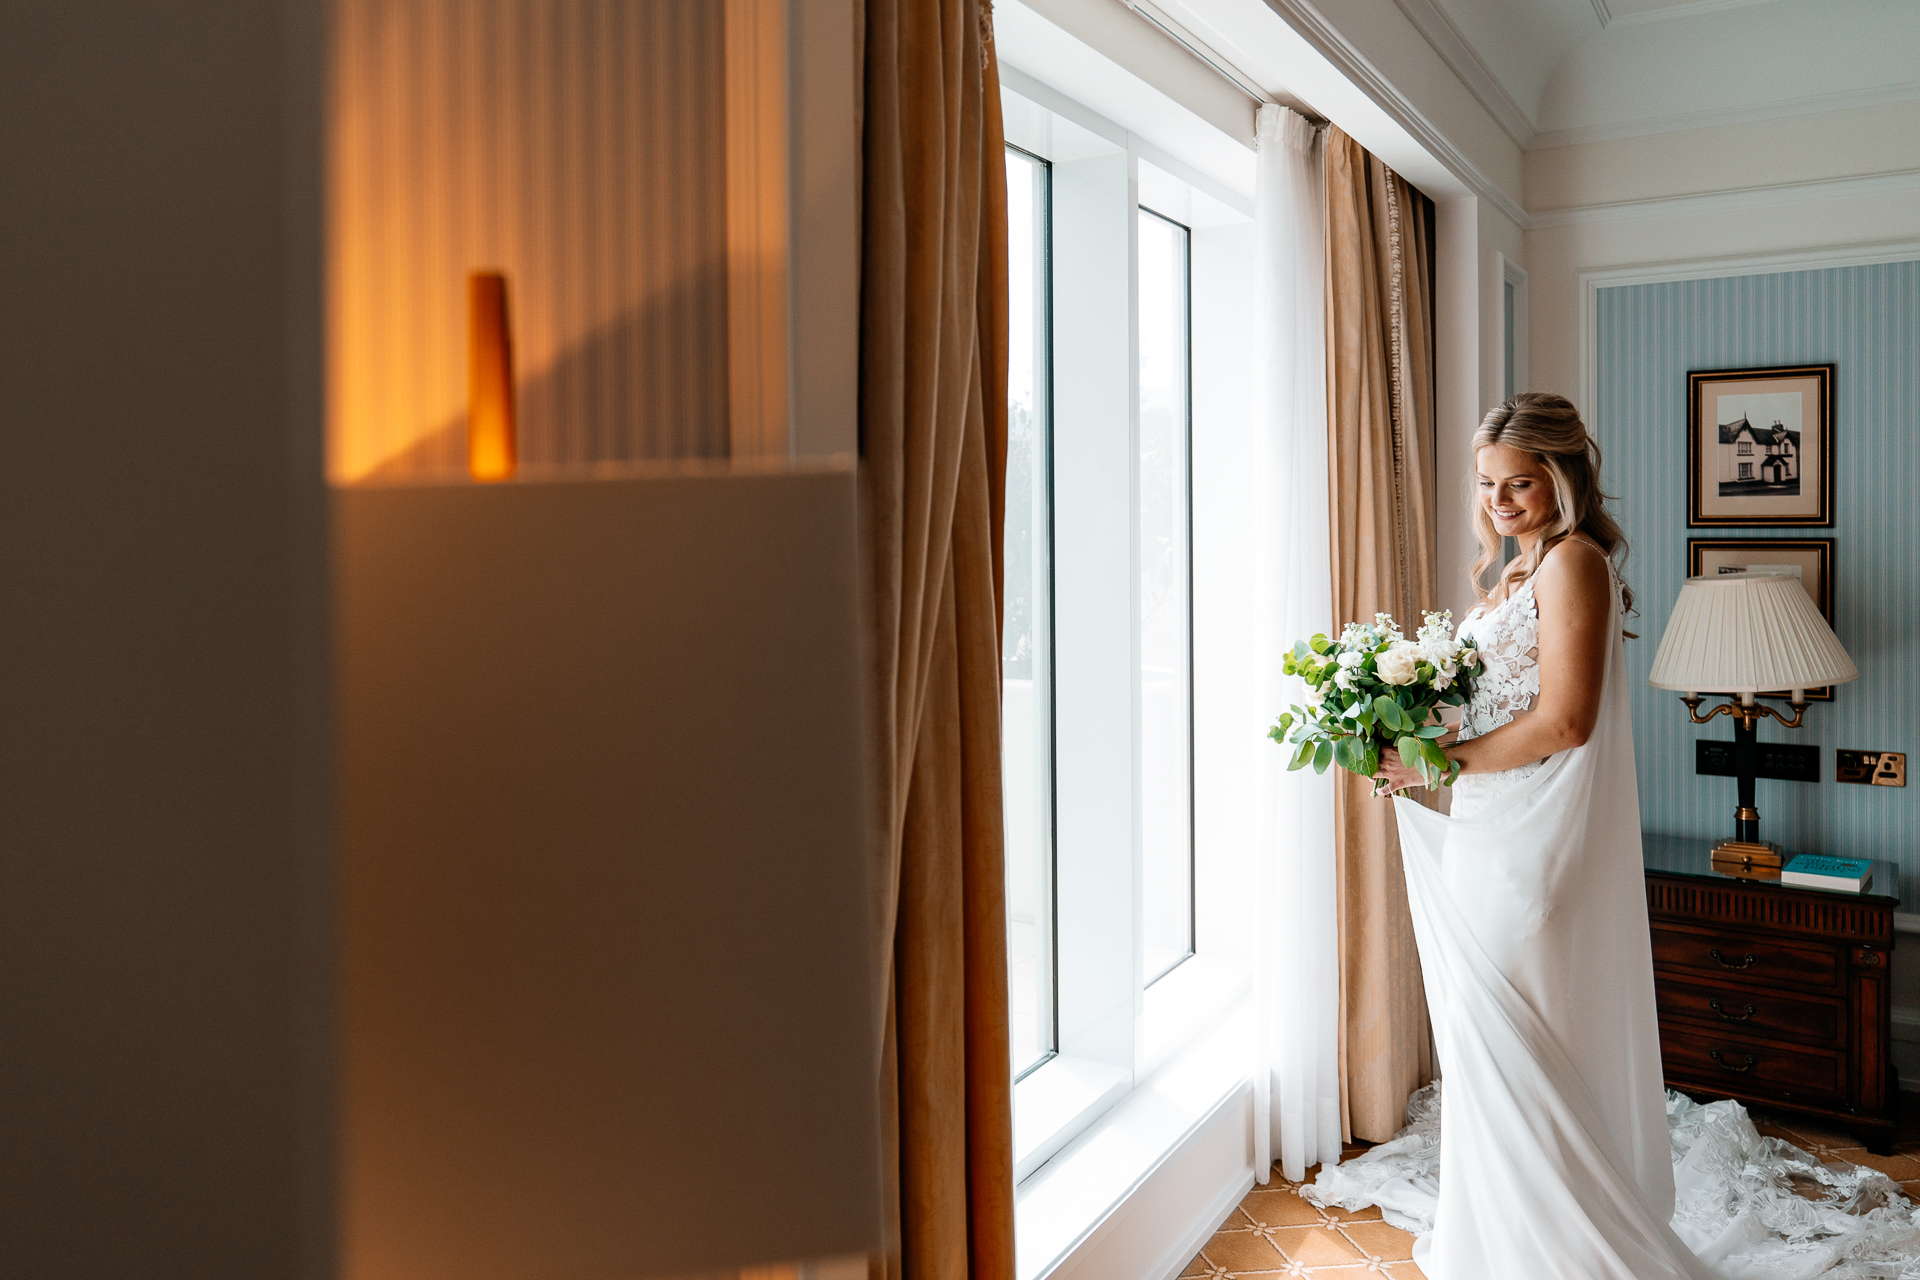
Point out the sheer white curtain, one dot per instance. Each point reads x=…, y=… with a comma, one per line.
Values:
x=1297, y=1084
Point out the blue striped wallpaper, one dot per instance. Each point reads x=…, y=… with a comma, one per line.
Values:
x=1866, y=320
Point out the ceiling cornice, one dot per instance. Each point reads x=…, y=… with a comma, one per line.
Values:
x=1454, y=49
x=1334, y=46
x=1671, y=12
x=1811, y=105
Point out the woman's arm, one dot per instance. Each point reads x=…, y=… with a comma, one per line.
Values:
x=1572, y=590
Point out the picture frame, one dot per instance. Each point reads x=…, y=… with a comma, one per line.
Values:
x=1812, y=557
x=1760, y=447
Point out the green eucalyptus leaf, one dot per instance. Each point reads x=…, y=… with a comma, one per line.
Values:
x=1322, y=756
x=1430, y=731
x=1320, y=644
x=1389, y=713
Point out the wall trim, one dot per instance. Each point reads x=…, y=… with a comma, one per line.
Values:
x=1334, y=46
x=1591, y=282
x=1809, y=105
x=1904, y=922
x=1447, y=40
x=1728, y=201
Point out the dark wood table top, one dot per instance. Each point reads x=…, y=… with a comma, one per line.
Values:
x=1692, y=857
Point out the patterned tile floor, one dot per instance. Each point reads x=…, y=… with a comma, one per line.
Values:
x=1276, y=1233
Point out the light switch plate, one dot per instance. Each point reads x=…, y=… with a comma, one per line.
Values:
x=1880, y=768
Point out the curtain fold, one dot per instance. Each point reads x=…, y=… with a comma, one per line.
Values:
x=1296, y=1082
x=932, y=489
x=1380, y=433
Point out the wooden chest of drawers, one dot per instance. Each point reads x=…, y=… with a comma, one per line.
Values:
x=1773, y=995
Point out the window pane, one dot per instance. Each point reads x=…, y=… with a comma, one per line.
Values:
x=1026, y=648
x=1166, y=616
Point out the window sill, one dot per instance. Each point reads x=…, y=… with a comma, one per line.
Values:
x=1065, y=1201
x=1056, y=1103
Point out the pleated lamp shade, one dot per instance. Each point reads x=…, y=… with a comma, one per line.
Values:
x=1748, y=633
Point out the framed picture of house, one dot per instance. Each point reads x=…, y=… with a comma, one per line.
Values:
x=1760, y=447
x=1809, y=559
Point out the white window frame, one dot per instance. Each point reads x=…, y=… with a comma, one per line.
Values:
x=1138, y=1068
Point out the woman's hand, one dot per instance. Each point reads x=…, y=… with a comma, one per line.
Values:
x=1394, y=776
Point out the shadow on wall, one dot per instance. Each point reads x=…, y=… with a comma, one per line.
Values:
x=652, y=384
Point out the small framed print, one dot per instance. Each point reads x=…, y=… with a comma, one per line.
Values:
x=1760, y=447
x=1810, y=559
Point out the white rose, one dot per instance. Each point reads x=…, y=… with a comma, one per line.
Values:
x=1397, y=665
x=1351, y=659
x=1344, y=678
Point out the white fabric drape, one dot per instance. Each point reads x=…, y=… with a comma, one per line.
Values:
x=1296, y=1073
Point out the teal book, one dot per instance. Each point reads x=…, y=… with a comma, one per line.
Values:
x=1810, y=871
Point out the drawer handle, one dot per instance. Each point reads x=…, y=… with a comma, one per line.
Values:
x=1751, y=1060
x=1747, y=963
x=1731, y=1017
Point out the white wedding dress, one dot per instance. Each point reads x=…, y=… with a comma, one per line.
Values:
x=1558, y=1154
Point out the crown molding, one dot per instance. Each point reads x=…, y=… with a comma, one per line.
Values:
x=1672, y=12
x=1728, y=200
x=1454, y=49
x=1813, y=104
x=1334, y=46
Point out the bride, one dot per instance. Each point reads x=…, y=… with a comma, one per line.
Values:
x=1555, y=1157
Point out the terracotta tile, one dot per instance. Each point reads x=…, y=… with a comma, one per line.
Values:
x=1279, y=1209
x=1243, y=1251
x=1406, y=1271
x=1369, y=1214
x=1198, y=1267
x=1899, y=1168
x=1813, y=1133
x=1911, y=1190
x=1379, y=1240
x=1315, y=1246
x=1345, y=1273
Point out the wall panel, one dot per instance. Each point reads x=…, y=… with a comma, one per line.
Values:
x=578, y=145
x=1865, y=319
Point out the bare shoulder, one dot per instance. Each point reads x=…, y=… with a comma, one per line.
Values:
x=1574, y=577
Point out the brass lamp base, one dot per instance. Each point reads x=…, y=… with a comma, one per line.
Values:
x=1748, y=853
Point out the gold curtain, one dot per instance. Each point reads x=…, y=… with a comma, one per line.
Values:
x=933, y=435
x=1380, y=461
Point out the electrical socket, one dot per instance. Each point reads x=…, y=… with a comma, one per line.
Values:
x=1880, y=768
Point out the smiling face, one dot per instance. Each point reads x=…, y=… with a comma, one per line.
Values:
x=1515, y=489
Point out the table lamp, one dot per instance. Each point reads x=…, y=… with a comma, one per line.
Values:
x=1742, y=634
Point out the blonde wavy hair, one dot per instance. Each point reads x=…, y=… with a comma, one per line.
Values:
x=1549, y=427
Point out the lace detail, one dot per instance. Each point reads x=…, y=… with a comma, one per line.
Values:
x=1508, y=636
x=1747, y=1204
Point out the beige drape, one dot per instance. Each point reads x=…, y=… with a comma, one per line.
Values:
x=1380, y=461
x=933, y=469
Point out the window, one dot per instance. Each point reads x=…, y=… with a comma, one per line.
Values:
x=1165, y=595
x=1744, y=448
x=1026, y=642
x=1128, y=292
x=1746, y=471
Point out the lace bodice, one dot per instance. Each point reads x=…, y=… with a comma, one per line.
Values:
x=1508, y=636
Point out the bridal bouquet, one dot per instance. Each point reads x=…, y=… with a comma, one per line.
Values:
x=1373, y=689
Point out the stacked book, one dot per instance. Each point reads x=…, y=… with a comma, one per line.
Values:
x=1810, y=871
